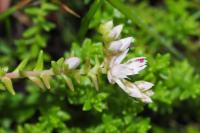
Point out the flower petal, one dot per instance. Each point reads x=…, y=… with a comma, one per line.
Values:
x=136, y=64
x=110, y=77
x=121, y=84
x=149, y=93
x=129, y=88
x=135, y=92
x=118, y=59
x=115, y=32
x=143, y=85
x=126, y=42
x=120, y=45
x=146, y=99
x=119, y=71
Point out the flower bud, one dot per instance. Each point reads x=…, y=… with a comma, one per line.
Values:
x=106, y=27
x=120, y=45
x=143, y=85
x=115, y=32
x=72, y=62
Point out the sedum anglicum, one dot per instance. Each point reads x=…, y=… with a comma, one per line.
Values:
x=117, y=71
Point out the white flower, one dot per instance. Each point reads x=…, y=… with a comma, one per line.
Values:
x=121, y=71
x=120, y=45
x=140, y=89
x=72, y=62
x=118, y=72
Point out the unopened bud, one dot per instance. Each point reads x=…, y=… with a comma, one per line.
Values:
x=106, y=27
x=72, y=62
x=115, y=32
x=143, y=85
x=120, y=45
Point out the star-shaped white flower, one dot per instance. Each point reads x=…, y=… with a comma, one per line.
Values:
x=118, y=72
x=121, y=71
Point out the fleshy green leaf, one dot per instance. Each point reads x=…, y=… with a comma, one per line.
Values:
x=46, y=80
x=55, y=67
x=3, y=70
x=38, y=82
x=8, y=84
x=69, y=82
x=60, y=62
x=40, y=62
x=22, y=65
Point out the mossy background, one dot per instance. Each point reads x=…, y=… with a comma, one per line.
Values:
x=167, y=32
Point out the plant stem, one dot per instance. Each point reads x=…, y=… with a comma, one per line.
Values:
x=15, y=75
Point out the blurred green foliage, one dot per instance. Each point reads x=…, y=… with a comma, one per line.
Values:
x=163, y=29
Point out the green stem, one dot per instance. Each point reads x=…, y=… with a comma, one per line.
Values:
x=15, y=75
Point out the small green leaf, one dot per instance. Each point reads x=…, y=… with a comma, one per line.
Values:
x=87, y=106
x=22, y=65
x=34, y=11
x=40, y=62
x=8, y=84
x=38, y=82
x=69, y=82
x=46, y=80
x=30, y=32
x=2, y=87
x=3, y=71
x=49, y=6
x=60, y=62
x=55, y=67
x=47, y=26
x=95, y=81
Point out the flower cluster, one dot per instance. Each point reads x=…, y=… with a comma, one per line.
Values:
x=118, y=72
